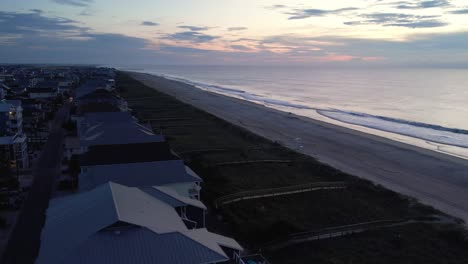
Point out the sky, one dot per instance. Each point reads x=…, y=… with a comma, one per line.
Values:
x=431, y=33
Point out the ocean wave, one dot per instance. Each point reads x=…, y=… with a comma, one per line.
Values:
x=237, y=93
x=429, y=132
x=433, y=133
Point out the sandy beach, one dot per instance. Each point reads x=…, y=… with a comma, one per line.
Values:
x=433, y=178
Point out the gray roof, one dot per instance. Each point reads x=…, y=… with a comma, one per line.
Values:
x=6, y=140
x=7, y=105
x=108, y=117
x=140, y=245
x=15, y=103
x=118, y=133
x=118, y=224
x=137, y=174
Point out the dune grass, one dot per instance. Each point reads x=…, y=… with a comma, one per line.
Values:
x=204, y=140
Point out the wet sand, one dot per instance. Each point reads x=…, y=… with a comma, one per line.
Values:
x=433, y=178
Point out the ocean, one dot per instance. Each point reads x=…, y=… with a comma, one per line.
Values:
x=424, y=107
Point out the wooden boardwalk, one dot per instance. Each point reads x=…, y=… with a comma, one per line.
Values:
x=243, y=162
x=280, y=191
x=331, y=232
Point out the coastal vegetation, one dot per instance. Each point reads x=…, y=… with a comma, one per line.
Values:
x=231, y=160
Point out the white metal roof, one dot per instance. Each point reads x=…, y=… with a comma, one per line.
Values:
x=136, y=207
x=212, y=240
x=77, y=231
x=71, y=220
x=164, y=192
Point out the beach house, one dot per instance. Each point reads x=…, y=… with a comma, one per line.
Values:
x=139, y=165
x=107, y=128
x=122, y=225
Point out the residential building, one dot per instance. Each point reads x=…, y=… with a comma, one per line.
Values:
x=168, y=173
x=139, y=165
x=122, y=225
x=127, y=153
x=121, y=133
x=44, y=89
x=103, y=97
x=13, y=141
x=108, y=128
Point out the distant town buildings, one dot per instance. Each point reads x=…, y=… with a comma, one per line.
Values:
x=28, y=95
x=13, y=141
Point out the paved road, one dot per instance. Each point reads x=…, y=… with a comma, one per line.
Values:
x=24, y=242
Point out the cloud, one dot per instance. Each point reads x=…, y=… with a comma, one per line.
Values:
x=87, y=12
x=459, y=11
x=240, y=48
x=38, y=11
x=420, y=24
x=186, y=50
x=398, y=20
x=274, y=7
x=78, y=3
x=422, y=4
x=194, y=28
x=192, y=36
x=306, y=13
x=35, y=23
x=35, y=38
x=237, y=28
x=149, y=23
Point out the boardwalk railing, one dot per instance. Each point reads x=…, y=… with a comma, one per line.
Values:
x=331, y=232
x=251, y=162
x=255, y=194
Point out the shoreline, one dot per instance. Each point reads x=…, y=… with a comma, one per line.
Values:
x=316, y=115
x=407, y=169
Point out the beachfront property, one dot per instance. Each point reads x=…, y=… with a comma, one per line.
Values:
x=140, y=164
x=102, y=96
x=109, y=134
x=13, y=141
x=123, y=133
x=117, y=224
x=91, y=98
x=95, y=83
x=107, y=128
x=137, y=201
x=127, y=153
x=191, y=210
x=172, y=174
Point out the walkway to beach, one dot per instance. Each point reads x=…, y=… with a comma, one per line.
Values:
x=332, y=232
x=274, y=192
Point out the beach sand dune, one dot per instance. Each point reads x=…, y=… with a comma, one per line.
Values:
x=434, y=178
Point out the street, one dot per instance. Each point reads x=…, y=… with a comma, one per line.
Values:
x=24, y=242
